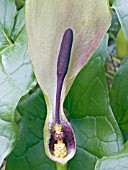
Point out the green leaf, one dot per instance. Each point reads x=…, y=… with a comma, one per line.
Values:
x=82, y=160
x=116, y=162
x=119, y=97
x=90, y=114
x=16, y=73
x=7, y=19
x=19, y=26
x=114, y=28
x=29, y=152
x=121, y=8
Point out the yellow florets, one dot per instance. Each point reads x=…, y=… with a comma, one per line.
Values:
x=58, y=128
x=60, y=150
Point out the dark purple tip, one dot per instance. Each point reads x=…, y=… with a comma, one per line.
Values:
x=62, y=67
x=64, y=54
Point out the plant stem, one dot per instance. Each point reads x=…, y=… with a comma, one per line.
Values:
x=60, y=166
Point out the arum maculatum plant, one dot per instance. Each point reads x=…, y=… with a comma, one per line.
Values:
x=61, y=37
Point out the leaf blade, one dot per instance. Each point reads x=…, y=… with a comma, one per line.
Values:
x=122, y=12
x=117, y=161
x=90, y=114
x=16, y=74
x=118, y=97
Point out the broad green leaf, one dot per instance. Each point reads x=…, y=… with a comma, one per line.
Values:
x=121, y=45
x=83, y=160
x=16, y=75
x=119, y=97
x=121, y=8
x=7, y=19
x=114, y=29
x=116, y=162
x=90, y=114
x=29, y=152
x=19, y=26
x=47, y=22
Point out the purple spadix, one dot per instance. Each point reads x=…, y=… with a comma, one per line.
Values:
x=62, y=67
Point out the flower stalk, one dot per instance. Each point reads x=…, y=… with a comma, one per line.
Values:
x=61, y=167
